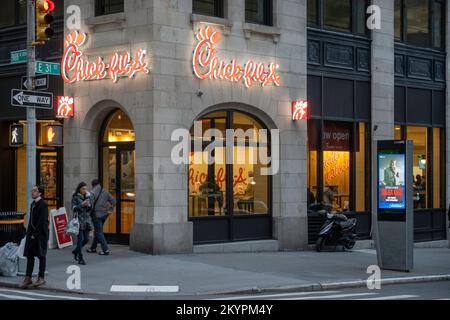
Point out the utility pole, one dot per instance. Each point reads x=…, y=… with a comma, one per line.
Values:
x=31, y=111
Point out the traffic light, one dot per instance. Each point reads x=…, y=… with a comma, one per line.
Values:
x=44, y=17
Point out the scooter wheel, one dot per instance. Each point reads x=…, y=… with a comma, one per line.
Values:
x=349, y=245
x=320, y=244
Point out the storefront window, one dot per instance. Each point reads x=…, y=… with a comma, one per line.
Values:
x=360, y=163
x=210, y=186
x=258, y=11
x=420, y=165
x=437, y=202
x=208, y=7
x=337, y=14
x=340, y=147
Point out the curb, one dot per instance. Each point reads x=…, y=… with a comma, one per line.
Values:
x=51, y=289
x=333, y=285
x=255, y=290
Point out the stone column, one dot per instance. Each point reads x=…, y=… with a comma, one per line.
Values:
x=291, y=223
x=447, y=167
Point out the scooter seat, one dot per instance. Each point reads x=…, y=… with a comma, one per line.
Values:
x=346, y=224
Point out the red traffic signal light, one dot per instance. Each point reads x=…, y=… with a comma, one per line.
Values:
x=44, y=18
x=45, y=5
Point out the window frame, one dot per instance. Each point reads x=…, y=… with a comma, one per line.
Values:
x=268, y=14
x=229, y=169
x=431, y=20
x=100, y=8
x=354, y=19
x=367, y=162
x=430, y=162
x=219, y=9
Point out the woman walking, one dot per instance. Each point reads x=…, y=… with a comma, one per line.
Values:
x=82, y=206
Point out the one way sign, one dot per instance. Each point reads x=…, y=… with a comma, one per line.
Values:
x=22, y=98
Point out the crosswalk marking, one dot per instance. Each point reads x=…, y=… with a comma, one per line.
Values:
x=405, y=296
x=335, y=296
x=28, y=293
x=14, y=297
x=277, y=295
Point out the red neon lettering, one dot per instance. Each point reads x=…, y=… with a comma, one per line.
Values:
x=75, y=68
x=207, y=65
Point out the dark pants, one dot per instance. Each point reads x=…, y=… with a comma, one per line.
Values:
x=99, y=236
x=83, y=239
x=30, y=266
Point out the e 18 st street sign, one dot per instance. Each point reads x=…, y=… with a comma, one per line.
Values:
x=23, y=98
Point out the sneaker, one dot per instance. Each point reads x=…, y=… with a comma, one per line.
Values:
x=91, y=250
x=104, y=253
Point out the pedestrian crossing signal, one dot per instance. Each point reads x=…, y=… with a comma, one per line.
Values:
x=44, y=17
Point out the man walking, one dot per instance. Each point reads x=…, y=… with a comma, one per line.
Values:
x=36, y=238
x=104, y=204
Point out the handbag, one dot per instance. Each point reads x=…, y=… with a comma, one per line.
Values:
x=73, y=227
x=21, y=250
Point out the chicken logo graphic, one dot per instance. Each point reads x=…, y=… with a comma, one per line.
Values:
x=65, y=107
x=299, y=110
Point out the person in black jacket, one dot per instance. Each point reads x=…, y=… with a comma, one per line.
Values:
x=36, y=238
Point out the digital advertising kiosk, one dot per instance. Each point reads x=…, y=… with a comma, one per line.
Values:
x=395, y=215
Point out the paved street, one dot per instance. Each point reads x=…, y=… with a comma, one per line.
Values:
x=200, y=274
x=416, y=291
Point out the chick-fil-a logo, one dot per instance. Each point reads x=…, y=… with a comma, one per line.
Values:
x=74, y=68
x=207, y=65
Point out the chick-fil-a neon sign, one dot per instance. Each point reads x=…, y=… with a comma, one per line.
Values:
x=207, y=65
x=75, y=68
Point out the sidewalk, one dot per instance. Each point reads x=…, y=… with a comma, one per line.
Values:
x=228, y=272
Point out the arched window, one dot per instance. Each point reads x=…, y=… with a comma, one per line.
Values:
x=233, y=182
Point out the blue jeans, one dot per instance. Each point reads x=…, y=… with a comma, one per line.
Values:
x=83, y=239
x=99, y=236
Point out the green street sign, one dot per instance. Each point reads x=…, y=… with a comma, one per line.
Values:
x=48, y=68
x=20, y=56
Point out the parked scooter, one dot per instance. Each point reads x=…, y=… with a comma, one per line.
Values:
x=337, y=230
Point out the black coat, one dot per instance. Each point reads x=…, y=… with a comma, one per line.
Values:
x=37, y=232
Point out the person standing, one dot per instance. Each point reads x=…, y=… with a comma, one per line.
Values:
x=81, y=206
x=104, y=204
x=36, y=238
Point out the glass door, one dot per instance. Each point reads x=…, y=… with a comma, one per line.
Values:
x=119, y=180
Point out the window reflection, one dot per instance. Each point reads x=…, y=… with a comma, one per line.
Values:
x=417, y=22
x=337, y=14
x=210, y=188
x=420, y=165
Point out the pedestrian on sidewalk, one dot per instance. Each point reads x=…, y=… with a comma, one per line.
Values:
x=36, y=238
x=104, y=204
x=81, y=206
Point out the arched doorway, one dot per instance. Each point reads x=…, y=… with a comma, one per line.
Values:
x=117, y=173
x=230, y=198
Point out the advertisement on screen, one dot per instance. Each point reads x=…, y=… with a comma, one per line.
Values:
x=391, y=184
